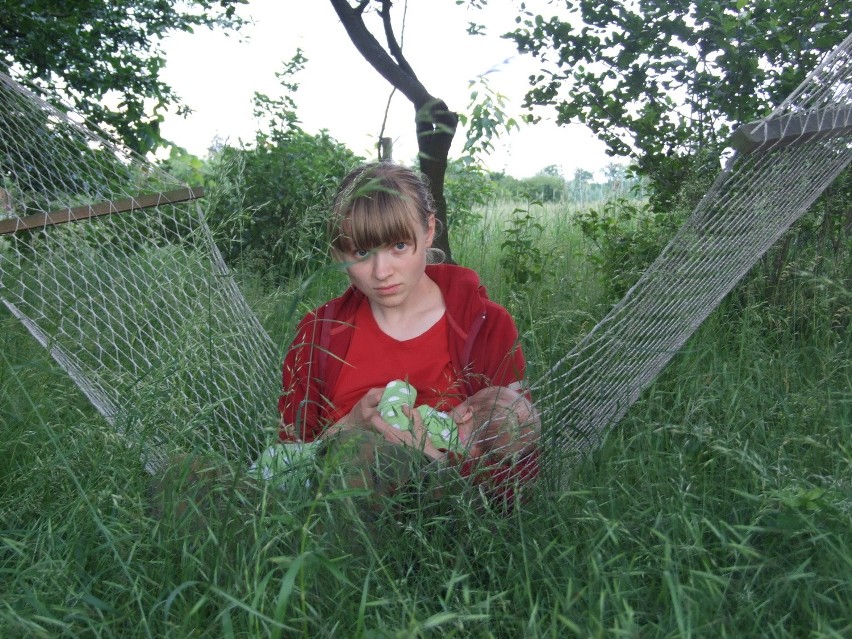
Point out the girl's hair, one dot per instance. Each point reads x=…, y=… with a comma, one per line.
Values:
x=378, y=204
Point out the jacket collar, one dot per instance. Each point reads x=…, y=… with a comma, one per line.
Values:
x=463, y=292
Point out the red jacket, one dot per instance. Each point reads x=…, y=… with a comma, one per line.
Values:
x=483, y=343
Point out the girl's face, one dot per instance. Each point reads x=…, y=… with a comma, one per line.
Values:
x=392, y=275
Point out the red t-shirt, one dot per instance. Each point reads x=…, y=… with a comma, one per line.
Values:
x=374, y=358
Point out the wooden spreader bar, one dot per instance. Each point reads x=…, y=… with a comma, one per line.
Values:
x=795, y=128
x=78, y=213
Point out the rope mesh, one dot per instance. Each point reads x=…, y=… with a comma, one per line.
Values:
x=139, y=309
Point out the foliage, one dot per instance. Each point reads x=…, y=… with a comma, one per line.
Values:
x=96, y=52
x=808, y=272
x=582, y=192
x=280, y=111
x=486, y=119
x=185, y=166
x=546, y=188
x=268, y=202
x=521, y=254
x=628, y=236
x=657, y=81
x=467, y=186
x=282, y=189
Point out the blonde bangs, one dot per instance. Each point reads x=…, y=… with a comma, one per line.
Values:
x=379, y=219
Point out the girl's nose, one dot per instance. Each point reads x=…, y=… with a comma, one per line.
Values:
x=381, y=264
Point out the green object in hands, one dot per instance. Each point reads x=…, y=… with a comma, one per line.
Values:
x=443, y=431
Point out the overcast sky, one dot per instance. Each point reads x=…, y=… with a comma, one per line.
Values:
x=217, y=75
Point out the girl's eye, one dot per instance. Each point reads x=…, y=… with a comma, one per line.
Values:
x=360, y=253
x=400, y=246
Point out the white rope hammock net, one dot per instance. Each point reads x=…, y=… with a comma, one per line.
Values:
x=140, y=310
x=138, y=306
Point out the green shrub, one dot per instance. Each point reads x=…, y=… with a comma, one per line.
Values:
x=521, y=255
x=628, y=236
x=466, y=187
x=269, y=203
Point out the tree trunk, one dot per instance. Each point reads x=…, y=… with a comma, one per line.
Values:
x=436, y=126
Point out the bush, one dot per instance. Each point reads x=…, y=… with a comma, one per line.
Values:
x=521, y=255
x=466, y=186
x=629, y=236
x=268, y=204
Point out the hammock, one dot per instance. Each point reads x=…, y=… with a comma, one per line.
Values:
x=108, y=262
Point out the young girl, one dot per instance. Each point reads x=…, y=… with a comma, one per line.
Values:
x=432, y=324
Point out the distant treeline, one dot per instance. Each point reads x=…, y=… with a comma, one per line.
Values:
x=548, y=185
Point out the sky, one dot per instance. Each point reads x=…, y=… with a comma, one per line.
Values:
x=216, y=75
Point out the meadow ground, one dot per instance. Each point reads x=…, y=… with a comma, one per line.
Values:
x=720, y=507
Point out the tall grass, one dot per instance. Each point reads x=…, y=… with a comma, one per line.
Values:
x=720, y=507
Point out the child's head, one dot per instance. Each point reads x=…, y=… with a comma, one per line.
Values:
x=497, y=420
x=377, y=205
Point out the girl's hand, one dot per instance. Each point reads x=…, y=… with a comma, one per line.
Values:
x=364, y=412
x=415, y=437
x=365, y=416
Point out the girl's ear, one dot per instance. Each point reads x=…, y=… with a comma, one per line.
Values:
x=464, y=422
x=430, y=230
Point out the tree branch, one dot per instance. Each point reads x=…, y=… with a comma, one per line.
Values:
x=393, y=45
x=373, y=52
